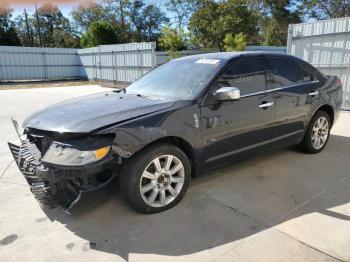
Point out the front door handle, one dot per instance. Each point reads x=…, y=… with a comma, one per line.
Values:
x=265, y=105
x=314, y=93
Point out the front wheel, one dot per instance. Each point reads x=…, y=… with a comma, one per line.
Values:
x=317, y=133
x=156, y=179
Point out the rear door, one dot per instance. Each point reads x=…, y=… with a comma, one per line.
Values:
x=232, y=129
x=292, y=87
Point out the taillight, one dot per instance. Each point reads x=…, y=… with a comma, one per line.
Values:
x=338, y=82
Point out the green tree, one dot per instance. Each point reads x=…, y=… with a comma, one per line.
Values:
x=171, y=40
x=262, y=13
x=275, y=34
x=50, y=20
x=146, y=20
x=214, y=20
x=64, y=39
x=88, y=12
x=99, y=33
x=326, y=9
x=135, y=16
x=154, y=20
x=182, y=10
x=8, y=33
x=118, y=10
x=24, y=26
x=276, y=31
x=235, y=43
x=205, y=25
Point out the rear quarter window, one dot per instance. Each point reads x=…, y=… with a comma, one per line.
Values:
x=310, y=73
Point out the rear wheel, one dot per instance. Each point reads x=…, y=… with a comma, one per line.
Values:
x=156, y=179
x=317, y=134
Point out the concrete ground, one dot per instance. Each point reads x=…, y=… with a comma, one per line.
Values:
x=281, y=206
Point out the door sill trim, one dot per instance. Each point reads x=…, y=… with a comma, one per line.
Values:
x=230, y=153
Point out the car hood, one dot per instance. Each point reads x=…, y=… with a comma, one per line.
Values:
x=88, y=113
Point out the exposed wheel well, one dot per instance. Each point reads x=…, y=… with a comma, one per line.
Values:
x=329, y=110
x=183, y=145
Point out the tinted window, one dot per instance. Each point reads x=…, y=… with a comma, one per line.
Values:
x=307, y=75
x=248, y=75
x=285, y=72
x=309, y=72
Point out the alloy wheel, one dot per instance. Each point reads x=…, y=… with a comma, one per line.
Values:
x=162, y=180
x=320, y=133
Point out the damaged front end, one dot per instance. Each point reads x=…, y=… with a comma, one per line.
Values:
x=63, y=170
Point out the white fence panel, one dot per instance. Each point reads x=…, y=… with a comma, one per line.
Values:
x=326, y=45
x=269, y=49
x=118, y=63
x=29, y=63
x=163, y=57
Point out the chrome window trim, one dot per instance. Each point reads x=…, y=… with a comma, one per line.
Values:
x=280, y=88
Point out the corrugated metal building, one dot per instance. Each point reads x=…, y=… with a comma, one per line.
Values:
x=326, y=45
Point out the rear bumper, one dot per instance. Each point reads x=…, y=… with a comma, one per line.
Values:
x=63, y=187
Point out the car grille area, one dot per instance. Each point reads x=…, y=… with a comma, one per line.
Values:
x=61, y=186
x=42, y=182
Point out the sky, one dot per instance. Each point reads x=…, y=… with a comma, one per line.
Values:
x=66, y=6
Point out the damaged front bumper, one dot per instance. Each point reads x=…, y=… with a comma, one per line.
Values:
x=63, y=187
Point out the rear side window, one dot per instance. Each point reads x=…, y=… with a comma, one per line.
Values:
x=248, y=75
x=285, y=72
x=309, y=72
x=307, y=75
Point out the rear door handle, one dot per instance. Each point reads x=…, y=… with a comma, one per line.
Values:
x=314, y=93
x=265, y=105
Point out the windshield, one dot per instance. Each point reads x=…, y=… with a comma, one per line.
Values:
x=178, y=79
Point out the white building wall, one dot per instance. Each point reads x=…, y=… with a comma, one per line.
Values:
x=326, y=45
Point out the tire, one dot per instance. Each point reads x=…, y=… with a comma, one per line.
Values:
x=150, y=192
x=309, y=143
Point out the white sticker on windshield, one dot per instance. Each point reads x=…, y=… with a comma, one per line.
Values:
x=207, y=61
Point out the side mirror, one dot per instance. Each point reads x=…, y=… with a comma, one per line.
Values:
x=227, y=93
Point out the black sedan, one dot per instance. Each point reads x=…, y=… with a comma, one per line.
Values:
x=182, y=118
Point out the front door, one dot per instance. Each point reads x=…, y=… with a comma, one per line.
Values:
x=232, y=129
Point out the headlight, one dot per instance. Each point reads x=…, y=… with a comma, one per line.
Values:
x=60, y=154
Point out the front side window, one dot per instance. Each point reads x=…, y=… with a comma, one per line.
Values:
x=285, y=72
x=248, y=75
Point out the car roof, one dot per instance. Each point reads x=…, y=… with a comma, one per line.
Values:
x=226, y=56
